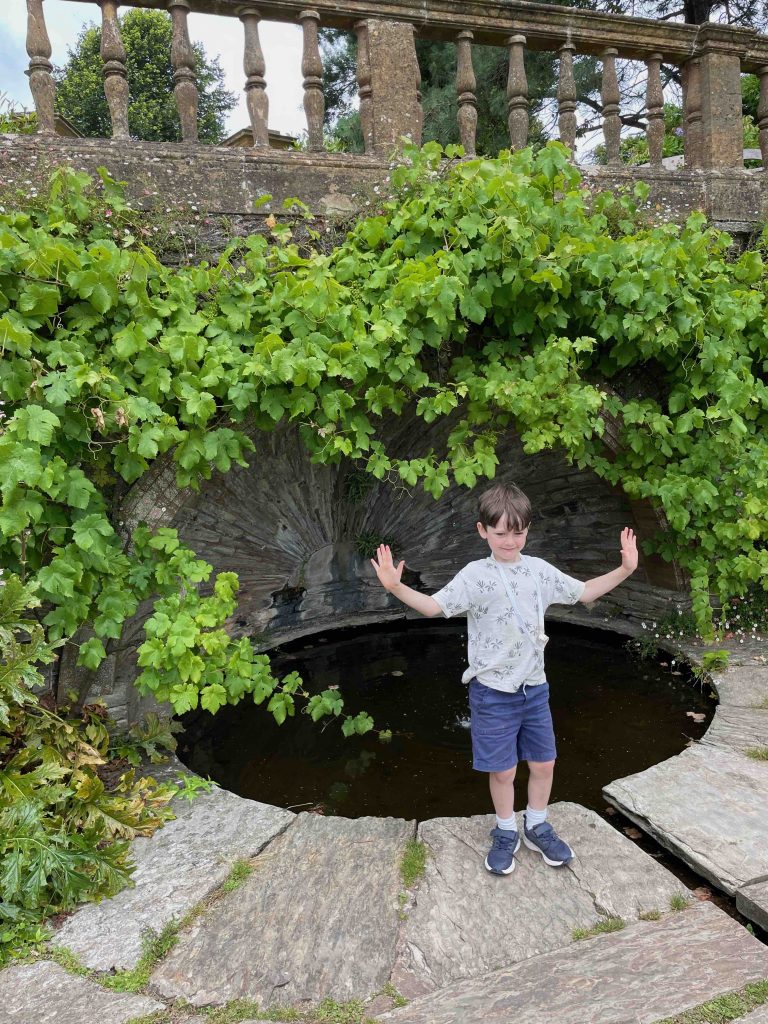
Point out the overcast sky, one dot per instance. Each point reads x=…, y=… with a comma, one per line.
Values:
x=222, y=37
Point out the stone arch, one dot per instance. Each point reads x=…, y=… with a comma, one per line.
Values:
x=292, y=530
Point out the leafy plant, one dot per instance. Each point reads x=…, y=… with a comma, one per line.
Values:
x=496, y=292
x=64, y=823
x=191, y=786
x=715, y=661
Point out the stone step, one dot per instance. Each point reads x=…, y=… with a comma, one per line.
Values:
x=44, y=993
x=317, y=918
x=176, y=867
x=738, y=729
x=649, y=971
x=709, y=806
x=467, y=922
x=743, y=685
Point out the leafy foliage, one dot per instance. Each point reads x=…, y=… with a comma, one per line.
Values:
x=64, y=824
x=496, y=294
x=152, y=112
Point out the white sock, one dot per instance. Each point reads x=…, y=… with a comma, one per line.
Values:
x=506, y=823
x=533, y=818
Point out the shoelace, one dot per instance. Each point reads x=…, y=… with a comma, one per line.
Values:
x=546, y=835
x=503, y=842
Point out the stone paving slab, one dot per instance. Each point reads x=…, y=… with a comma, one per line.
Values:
x=467, y=922
x=317, y=918
x=743, y=686
x=44, y=993
x=758, y=1016
x=752, y=902
x=647, y=972
x=175, y=868
x=738, y=729
x=709, y=806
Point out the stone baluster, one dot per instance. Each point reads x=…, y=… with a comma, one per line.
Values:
x=312, y=69
x=566, y=97
x=654, y=105
x=114, y=70
x=255, y=83
x=692, y=112
x=517, y=93
x=762, y=114
x=183, y=62
x=418, y=120
x=364, y=90
x=466, y=84
x=41, y=82
x=611, y=99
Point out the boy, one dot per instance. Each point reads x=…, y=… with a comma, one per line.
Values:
x=505, y=597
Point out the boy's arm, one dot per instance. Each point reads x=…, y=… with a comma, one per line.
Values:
x=389, y=577
x=602, y=584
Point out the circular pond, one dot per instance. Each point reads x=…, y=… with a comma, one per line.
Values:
x=614, y=715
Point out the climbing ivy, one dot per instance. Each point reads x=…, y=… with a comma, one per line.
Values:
x=498, y=293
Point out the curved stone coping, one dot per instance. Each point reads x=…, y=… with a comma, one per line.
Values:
x=709, y=804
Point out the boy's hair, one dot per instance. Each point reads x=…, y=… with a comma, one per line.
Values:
x=504, y=500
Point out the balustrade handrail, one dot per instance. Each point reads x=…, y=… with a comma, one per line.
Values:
x=545, y=26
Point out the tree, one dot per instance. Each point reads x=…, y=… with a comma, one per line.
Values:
x=152, y=113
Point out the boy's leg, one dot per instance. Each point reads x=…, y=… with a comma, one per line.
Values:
x=502, y=785
x=536, y=745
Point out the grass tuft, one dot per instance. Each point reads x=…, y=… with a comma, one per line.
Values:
x=70, y=961
x=608, y=924
x=413, y=863
x=238, y=874
x=649, y=915
x=234, y=1011
x=757, y=753
x=154, y=948
x=679, y=901
x=726, y=1008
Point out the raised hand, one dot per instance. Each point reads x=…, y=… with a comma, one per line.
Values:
x=389, y=574
x=628, y=550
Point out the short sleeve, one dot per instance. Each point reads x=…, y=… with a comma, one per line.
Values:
x=557, y=587
x=454, y=596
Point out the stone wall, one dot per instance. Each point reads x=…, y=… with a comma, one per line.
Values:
x=227, y=182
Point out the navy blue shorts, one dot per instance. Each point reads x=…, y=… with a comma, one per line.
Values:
x=510, y=727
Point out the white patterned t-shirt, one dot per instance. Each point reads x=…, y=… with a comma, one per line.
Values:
x=499, y=655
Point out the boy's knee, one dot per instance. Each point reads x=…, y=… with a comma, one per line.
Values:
x=541, y=767
x=505, y=776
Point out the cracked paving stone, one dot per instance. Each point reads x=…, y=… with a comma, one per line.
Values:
x=44, y=993
x=738, y=729
x=175, y=868
x=752, y=902
x=709, y=806
x=647, y=972
x=743, y=686
x=467, y=921
x=317, y=918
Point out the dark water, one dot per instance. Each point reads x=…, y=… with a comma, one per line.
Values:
x=613, y=715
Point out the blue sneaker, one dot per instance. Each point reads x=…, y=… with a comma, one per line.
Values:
x=501, y=856
x=544, y=840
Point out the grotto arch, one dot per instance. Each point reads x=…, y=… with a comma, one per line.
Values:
x=296, y=534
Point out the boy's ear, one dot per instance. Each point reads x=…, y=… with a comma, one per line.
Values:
x=482, y=531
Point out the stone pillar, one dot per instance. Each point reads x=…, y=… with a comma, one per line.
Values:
x=517, y=93
x=654, y=104
x=722, y=49
x=114, y=70
x=611, y=107
x=566, y=97
x=312, y=70
x=465, y=92
x=41, y=82
x=255, y=83
x=693, y=140
x=394, y=103
x=183, y=61
x=762, y=114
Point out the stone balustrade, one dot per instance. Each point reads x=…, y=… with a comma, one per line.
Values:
x=709, y=60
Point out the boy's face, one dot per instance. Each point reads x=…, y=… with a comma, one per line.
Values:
x=505, y=543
